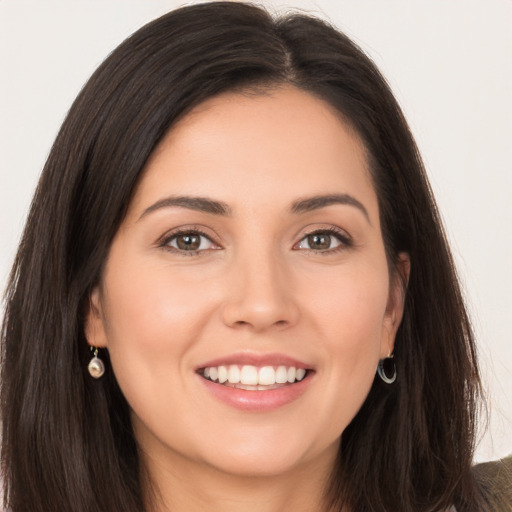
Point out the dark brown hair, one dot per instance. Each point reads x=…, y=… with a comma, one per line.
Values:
x=67, y=440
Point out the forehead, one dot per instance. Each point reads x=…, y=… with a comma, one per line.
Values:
x=276, y=145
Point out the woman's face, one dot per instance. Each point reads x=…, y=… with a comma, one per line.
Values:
x=252, y=248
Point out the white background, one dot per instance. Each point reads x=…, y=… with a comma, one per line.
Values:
x=449, y=64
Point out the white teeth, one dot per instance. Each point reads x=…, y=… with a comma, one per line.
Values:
x=234, y=374
x=249, y=375
x=254, y=377
x=300, y=373
x=213, y=373
x=281, y=375
x=267, y=376
x=223, y=374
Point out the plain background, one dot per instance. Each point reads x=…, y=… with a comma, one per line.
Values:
x=449, y=64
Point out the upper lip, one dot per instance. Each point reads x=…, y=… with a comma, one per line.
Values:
x=255, y=359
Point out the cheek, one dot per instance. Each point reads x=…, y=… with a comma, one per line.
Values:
x=359, y=326
x=350, y=319
x=151, y=319
x=350, y=307
x=153, y=311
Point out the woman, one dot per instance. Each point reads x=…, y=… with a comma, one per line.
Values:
x=234, y=291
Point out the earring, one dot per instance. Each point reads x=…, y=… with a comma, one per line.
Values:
x=386, y=367
x=96, y=366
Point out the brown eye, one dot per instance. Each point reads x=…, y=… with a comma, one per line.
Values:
x=189, y=242
x=321, y=241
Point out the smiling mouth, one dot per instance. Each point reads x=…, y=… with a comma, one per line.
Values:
x=254, y=378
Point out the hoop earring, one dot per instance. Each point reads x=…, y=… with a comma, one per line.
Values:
x=96, y=366
x=390, y=366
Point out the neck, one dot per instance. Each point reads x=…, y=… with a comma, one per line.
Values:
x=183, y=486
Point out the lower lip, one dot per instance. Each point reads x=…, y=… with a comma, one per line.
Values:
x=258, y=400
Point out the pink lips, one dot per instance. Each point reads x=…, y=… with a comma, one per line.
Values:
x=257, y=400
x=256, y=360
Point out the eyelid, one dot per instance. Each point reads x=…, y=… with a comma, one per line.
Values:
x=164, y=240
x=341, y=235
x=344, y=238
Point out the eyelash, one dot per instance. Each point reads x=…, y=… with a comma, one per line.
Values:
x=164, y=243
x=345, y=241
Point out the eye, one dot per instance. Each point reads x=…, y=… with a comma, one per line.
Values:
x=323, y=241
x=188, y=241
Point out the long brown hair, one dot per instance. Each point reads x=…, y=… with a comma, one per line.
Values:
x=67, y=440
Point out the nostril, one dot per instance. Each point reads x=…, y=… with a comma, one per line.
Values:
x=244, y=323
x=259, y=312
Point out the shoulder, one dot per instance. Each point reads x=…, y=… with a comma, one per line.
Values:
x=495, y=481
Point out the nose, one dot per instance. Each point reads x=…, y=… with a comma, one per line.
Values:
x=259, y=293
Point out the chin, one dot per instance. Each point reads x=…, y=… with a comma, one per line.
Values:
x=266, y=457
x=257, y=466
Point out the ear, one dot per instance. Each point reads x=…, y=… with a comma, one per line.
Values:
x=396, y=301
x=94, y=326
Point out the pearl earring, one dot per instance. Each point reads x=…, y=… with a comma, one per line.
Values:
x=96, y=366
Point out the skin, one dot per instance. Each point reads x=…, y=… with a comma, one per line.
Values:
x=257, y=285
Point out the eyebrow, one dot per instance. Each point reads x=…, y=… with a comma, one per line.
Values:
x=211, y=206
x=316, y=202
x=201, y=204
